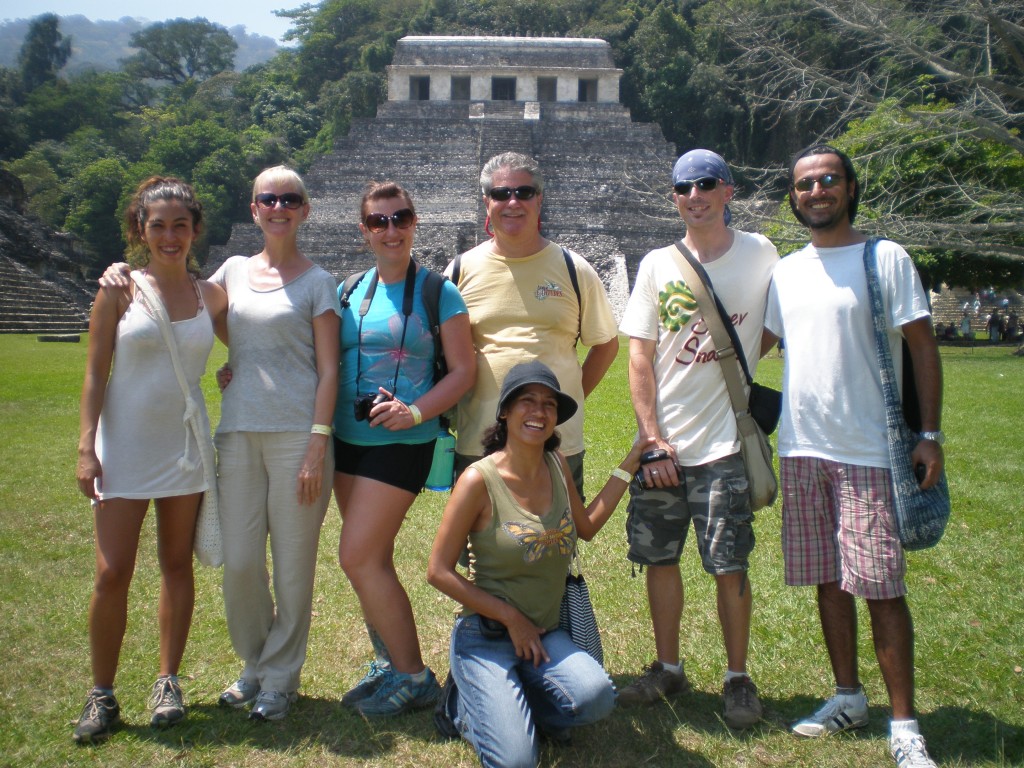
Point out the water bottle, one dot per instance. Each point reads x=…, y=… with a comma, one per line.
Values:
x=442, y=468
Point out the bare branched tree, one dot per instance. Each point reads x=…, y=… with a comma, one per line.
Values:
x=927, y=96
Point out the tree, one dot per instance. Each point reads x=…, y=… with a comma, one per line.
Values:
x=921, y=88
x=181, y=50
x=94, y=214
x=44, y=52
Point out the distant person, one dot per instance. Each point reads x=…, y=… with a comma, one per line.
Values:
x=965, y=325
x=136, y=445
x=386, y=422
x=514, y=673
x=683, y=407
x=994, y=324
x=523, y=305
x=838, y=529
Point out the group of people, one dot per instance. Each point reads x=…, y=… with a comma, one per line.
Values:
x=313, y=380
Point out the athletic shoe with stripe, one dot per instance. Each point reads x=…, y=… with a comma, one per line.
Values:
x=398, y=693
x=840, y=713
x=909, y=752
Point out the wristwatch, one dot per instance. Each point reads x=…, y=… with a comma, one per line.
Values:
x=938, y=437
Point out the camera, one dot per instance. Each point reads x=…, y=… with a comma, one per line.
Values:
x=658, y=454
x=364, y=404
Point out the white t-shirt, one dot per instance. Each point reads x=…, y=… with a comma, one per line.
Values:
x=833, y=407
x=273, y=362
x=694, y=411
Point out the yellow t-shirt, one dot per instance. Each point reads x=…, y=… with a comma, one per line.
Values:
x=522, y=309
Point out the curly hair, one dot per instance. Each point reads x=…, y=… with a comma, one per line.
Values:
x=152, y=190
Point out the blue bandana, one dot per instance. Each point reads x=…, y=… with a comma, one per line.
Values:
x=702, y=164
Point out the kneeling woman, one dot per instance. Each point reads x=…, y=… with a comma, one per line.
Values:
x=515, y=672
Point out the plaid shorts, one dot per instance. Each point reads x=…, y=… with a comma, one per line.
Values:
x=838, y=525
x=716, y=497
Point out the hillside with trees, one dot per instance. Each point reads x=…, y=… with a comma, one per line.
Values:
x=928, y=96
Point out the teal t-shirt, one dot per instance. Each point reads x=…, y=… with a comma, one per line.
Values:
x=383, y=348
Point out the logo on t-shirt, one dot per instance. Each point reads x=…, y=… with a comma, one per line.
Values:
x=676, y=305
x=548, y=289
x=543, y=542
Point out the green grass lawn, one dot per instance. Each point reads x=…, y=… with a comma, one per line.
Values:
x=965, y=596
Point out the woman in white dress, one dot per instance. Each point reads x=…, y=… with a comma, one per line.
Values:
x=134, y=445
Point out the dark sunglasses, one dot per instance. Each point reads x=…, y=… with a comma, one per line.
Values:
x=827, y=181
x=704, y=185
x=501, y=194
x=378, y=222
x=290, y=200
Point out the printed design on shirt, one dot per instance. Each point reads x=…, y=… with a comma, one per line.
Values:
x=676, y=305
x=382, y=351
x=539, y=543
x=548, y=289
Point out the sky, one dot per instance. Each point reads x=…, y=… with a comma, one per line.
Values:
x=257, y=15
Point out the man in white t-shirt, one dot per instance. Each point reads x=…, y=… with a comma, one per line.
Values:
x=682, y=405
x=838, y=531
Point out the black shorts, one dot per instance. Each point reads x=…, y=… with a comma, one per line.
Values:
x=402, y=465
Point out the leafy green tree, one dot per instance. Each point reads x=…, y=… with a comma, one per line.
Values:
x=179, y=149
x=94, y=213
x=44, y=52
x=221, y=183
x=42, y=187
x=181, y=50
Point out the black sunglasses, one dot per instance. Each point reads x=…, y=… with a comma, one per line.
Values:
x=827, y=181
x=378, y=222
x=501, y=194
x=704, y=185
x=290, y=200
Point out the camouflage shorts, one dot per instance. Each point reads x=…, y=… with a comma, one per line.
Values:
x=716, y=497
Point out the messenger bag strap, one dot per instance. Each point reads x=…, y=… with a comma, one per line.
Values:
x=710, y=309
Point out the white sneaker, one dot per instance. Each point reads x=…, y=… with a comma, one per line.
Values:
x=272, y=705
x=909, y=752
x=840, y=713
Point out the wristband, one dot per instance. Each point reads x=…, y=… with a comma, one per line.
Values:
x=321, y=429
x=622, y=474
x=417, y=417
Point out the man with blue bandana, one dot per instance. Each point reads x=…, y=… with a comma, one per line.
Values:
x=681, y=401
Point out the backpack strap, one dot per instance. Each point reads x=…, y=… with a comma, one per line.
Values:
x=432, y=285
x=349, y=285
x=570, y=265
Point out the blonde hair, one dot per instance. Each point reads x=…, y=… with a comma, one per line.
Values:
x=279, y=174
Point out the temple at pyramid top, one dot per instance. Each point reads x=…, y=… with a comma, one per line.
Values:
x=516, y=69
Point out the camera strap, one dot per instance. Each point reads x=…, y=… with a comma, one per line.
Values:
x=364, y=307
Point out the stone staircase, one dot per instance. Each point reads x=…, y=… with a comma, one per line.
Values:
x=948, y=303
x=607, y=190
x=33, y=304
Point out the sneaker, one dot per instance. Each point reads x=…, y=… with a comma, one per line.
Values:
x=909, y=752
x=166, y=702
x=272, y=705
x=99, y=716
x=840, y=713
x=371, y=681
x=654, y=684
x=240, y=693
x=398, y=693
x=742, y=707
x=444, y=720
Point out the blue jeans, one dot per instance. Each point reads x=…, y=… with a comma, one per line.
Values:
x=503, y=700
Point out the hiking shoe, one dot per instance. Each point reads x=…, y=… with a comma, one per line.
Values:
x=99, y=716
x=840, y=713
x=444, y=712
x=272, y=705
x=742, y=707
x=166, y=702
x=909, y=752
x=370, y=682
x=239, y=693
x=654, y=684
x=398, y=693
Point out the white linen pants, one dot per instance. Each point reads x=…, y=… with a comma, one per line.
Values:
x=257, y=497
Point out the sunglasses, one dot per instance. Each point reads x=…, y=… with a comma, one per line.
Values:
x=501, y=194
x=827, y=181
x=290, y=200
x=704, y=185
x=378, y=222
